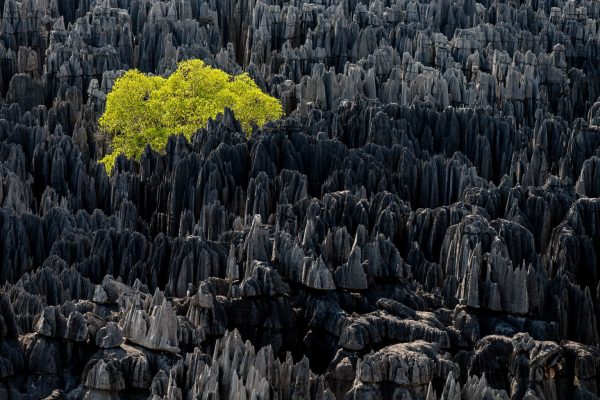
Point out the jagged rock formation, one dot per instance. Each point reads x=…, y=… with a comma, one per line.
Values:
x=422, y=224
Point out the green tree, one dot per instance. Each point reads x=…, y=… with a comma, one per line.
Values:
x=142, y=109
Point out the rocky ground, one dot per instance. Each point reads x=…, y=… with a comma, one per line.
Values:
x=424, y=223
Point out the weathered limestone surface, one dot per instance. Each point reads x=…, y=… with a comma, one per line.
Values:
x=423, y=223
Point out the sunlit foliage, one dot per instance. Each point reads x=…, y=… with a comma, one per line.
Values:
x=142, y=109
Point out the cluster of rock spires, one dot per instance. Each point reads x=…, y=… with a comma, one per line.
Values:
x=423, y=224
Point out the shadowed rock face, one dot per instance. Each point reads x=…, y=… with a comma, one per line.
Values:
x=424, y=223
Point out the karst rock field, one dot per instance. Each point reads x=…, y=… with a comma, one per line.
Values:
x=422, y=223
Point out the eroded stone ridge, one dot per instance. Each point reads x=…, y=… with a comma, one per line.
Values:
x=424, y=223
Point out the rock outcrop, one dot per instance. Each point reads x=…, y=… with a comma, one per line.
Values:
x=422, y=223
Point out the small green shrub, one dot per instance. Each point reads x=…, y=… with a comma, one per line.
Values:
x=142, y=109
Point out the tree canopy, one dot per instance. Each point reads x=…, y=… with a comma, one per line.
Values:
x=143, y=109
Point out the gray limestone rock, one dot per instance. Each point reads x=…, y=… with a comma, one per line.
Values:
x=52, y=323
x=109, y=336
x=422, y=222
x=151, y=323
